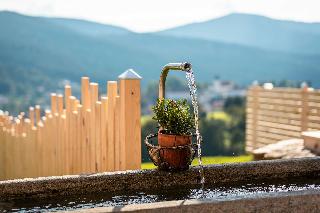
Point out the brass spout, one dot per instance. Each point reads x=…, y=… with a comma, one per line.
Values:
x=165, y=70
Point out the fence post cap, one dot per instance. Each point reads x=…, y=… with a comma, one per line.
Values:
x=129, y=74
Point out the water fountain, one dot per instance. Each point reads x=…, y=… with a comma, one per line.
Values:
x=155, y=152
x=275, y=185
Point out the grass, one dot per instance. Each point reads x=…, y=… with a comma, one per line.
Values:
x=145, y=118
x=210, y=160
x=219, y=115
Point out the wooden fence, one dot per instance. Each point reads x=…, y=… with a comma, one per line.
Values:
x=75, y=137
x=280, y=113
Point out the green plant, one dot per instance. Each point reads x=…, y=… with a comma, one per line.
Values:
x=173, y=116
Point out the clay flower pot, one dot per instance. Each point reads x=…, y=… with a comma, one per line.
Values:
x=175, y=151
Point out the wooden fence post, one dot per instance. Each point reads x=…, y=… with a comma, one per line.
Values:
x=85, y=93
x=117, y=134
x=94, y=96
x=97, y=127
x=305, y=108
x=66, y=145
x=31, y=116
x=112, y=93
x=104, y=129
x=130, y=123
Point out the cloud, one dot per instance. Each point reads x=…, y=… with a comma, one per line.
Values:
x=146, y=15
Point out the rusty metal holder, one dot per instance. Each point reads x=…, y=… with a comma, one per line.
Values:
x=154, y=152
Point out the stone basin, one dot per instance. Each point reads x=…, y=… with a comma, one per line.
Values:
x=275, y=185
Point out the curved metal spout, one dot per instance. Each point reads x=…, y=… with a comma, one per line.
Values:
x=165, y=70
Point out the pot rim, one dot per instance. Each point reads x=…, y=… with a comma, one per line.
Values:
x=162, y=132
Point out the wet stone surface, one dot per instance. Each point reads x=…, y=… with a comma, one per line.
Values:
x=220, y=193
x=143, y=180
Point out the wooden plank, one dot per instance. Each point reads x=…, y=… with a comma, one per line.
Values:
x=67, y=94
x=84, y=137
x=60, y=104
x=280, y=101
x=104, y=129
x=314, y=105
x=111, y=93
x=279, y=108
x=278, y=131
x=62, y=138
x=305, y=109
x=313, y=117
x=13, y=154
x=23, y=155
x=314, y=125
x=72, y=136
x=54, y=103
x=279, y=126
x=262, y=141
x=281, y=95
x=98, y=160
x=293, y=122
x=80, y=137
x=94, y=93
x=130, y=123
x=316, y=121
x=26, y=146
x=74, y=144
x=88, y=140
x=254, y=98
x=33, y=152
x=50, y=145
x=117, y=148
x=85, y=93
x=284, y=104
x=275, y=136
x=31, y=116
x=39, y=148
x=8, y=160
x=313, y=112
x=38, y=114
x=295, y=116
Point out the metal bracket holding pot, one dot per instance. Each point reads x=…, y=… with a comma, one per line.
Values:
x=154, y=152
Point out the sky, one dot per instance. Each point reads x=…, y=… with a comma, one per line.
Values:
x=152, y=15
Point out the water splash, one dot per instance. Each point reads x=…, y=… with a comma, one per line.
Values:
x=193, y=93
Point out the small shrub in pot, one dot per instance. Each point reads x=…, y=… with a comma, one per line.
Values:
x=175, y=133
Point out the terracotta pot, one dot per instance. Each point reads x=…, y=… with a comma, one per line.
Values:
x=174, y=159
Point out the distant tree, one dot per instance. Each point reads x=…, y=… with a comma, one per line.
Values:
x=235, y=107
x=213, y=137
x=149, y=126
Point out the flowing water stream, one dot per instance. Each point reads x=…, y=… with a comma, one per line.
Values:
x=193, y=93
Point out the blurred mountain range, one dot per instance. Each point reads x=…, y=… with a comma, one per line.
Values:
x=237, y=47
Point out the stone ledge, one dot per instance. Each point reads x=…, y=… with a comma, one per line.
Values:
x=138, y=180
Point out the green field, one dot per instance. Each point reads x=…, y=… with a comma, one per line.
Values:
x=219, y=115
x=145, y=118
x=210, y=160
